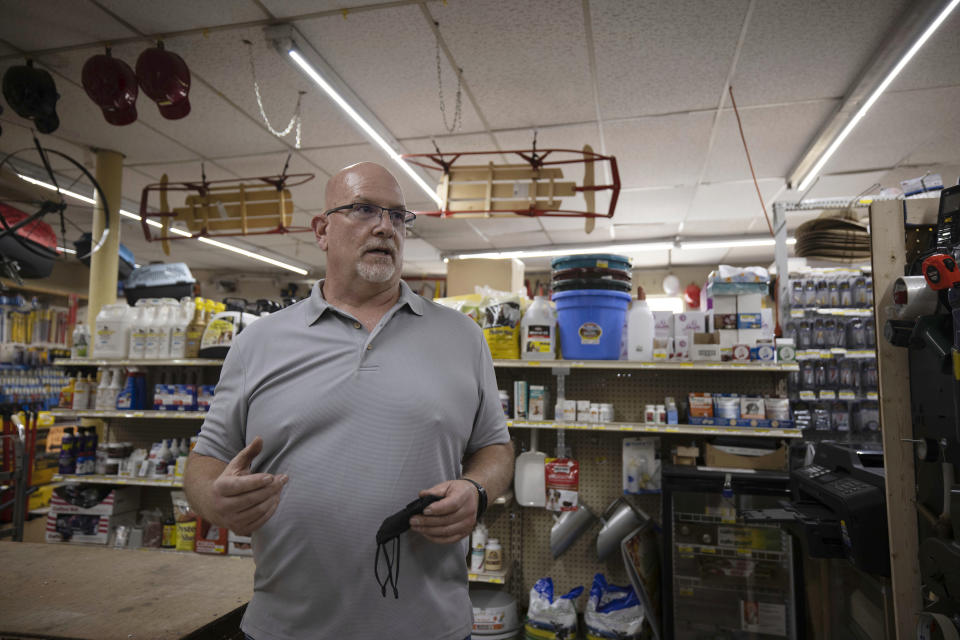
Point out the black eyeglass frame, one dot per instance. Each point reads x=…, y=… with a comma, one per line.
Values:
x=408, y=216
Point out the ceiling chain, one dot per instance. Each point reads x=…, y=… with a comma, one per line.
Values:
x=458, y=110
x=295, y=120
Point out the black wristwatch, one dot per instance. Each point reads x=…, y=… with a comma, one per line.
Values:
x=482, y=495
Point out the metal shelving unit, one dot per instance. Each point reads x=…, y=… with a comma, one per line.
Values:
x=119, y=413
x=684, y=429
x=113, y=362
x=653, y=366
x=119, y=480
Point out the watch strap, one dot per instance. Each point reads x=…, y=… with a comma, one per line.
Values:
x=481, y=495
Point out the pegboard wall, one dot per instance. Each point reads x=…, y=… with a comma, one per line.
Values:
x=600, y=456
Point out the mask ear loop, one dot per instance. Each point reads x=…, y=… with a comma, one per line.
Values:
x=390, y=579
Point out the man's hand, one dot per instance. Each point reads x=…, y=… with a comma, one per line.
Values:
x=241, y=500
x=450, y=519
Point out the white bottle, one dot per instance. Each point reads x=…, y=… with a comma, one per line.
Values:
x=116, y=385
x=112, y=331
x=166, y=320
x=138, y=332
x=478, y=543
x=640, y=330
x=538, y=331
x=103, y=389
x=181, y=317
x=493, y=557
x=81, y=394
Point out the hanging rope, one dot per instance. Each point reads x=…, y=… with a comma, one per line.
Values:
x=295, y=120
x=763, y=207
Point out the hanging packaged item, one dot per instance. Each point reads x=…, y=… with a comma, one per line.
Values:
x=612, y=612
x=641, y=465
x=549, y=618
x=563, y=484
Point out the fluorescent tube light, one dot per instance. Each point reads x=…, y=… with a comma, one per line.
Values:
x=731, y=244
x=818, y=166
x=367, y=128
x=546, y=253
x=47, y=185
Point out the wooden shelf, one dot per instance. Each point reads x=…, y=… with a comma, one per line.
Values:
x=30, y=286
x=640, y=427
x=118, y=413
x=654, y=366
x=119, y=480
x=113, y=362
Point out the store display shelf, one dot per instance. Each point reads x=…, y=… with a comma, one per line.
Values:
x=827, y=354
x=121, y=413
x=490, y=577
x=661, y=366
x=117, y=480
x=848, y=312
x=114, y=362
x=760, y=432
x=843, y=394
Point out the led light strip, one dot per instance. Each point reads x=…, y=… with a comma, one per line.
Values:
x=862, y=111
x=180, y=232
x=367, y=128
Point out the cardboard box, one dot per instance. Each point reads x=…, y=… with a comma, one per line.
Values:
x=239, y=545
x=86, y=528
x=766, y=323
x=750, y=321
x=681, y=347
x=724, y=305
x=520, y=400
x=749, y=337
x=765, y=351
x=773, y=461
x=537, y=404
x=740, y=353
x=210, y=538
x=705, y=347
x=689, y=322
x=749, y=303
x=786, y=351
x=701, y=405
x=663, y=324
x=662, y=349
x=81, y=498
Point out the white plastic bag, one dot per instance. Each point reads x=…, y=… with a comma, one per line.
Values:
x=612, y=612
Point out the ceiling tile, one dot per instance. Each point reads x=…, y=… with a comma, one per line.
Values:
x=698, y=256
x=650, y=259
x=659, y=151
x=526, y=62
x=729, y=201
x=810, y=50
x=776, y=137
x=287, y=8
x=653, y=206
x=516, y=240
x=492, y=227
x=662, y=57
x=49, y=24
x=398, y=83
x=846, y=185
x=935, y=65
x=898, y=125
x=178, y=15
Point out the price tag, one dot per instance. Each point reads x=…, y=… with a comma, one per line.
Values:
x=873, y=395
x=796, y=313
x=828, y=394
x=847, y=394
x=808, y=395
x=685, y=549
x=708, y=550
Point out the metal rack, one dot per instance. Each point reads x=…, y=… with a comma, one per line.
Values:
x=17, y=479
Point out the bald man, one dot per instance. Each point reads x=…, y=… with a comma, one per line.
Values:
x=336, y=412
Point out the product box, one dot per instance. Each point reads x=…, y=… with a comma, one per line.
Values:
x=701, y=405
x=567, y=411
x=537, y=402
x=724, y=312
x=238, y=545
x=686, y=456
x=663, y=324
x=689, y=322
x=520, y=400
x=752, y=408
x=774, y=461
x=765, y=351
x=662, y=349
x=766, y=324
x=681, y=347
x=749, y=303
x=752, y=321
x=92, y=499
x=749, y=337
x=210, y=538
x=583, y=411
x=786, y=350
x=740, y=353
x=728, y=339
x=205, y=396
x=705, y=347
x=86, y=528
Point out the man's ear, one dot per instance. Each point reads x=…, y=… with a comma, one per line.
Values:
x=319, y=225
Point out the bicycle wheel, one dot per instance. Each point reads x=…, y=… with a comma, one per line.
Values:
x=66, y=211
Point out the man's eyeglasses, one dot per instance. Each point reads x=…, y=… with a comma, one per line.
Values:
x=365, y=212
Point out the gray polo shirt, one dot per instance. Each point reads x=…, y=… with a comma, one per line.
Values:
x=361, y=422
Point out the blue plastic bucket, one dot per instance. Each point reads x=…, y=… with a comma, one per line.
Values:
x=590, y=323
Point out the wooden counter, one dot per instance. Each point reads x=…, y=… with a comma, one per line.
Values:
x=97, y=593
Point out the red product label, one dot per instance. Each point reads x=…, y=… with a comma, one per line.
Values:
x=563, y=484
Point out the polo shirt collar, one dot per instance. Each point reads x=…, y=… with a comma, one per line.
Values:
x=317, y=305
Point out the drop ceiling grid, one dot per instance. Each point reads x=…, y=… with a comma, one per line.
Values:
x=17, y=135
x=814, y=49
x=896, y=126
x=35, y=25
x=941, y=150
x=659, y=151
x=653, y=206
x=286, y=8
x=526, y=62
x=848, y=184
x=388, y=58
x=659, y=57
x=776, y=136
x=728, y=201
x=177, y=15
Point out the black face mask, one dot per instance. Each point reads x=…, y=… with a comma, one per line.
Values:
x=391, y=529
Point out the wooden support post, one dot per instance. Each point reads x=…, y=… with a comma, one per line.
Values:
x=889, y=256
x=104, y=264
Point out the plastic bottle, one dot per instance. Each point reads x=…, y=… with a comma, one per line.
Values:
x=81, y=340
x=195, y=329
x=67, y=463
x=66, y=394
x=138, y=332
x=81, y=394
x=493, y=558
x=640, y=329
x=182, y=316
x=112, y=333
x=478, y=544
x=169, y=536
x=538, y=331
x=155, y=316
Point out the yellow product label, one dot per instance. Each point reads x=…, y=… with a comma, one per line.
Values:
x=956, y=365
x=504, y=342
x=590, y=333
x=533, y=633
x=218, y=332
x=169, y=536
x=186, y=533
